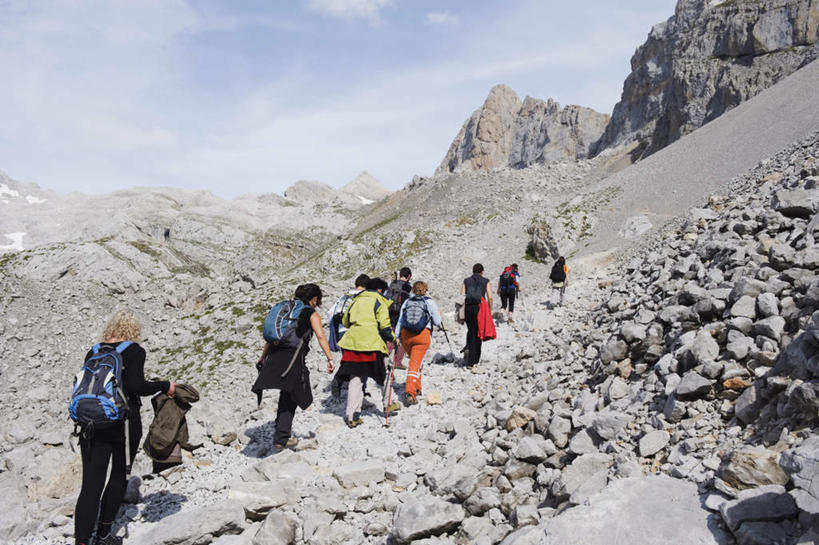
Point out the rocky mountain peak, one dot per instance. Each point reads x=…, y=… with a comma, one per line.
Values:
x=366, y=187
x=506, y=131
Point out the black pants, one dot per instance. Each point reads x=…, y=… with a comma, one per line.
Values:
x=508, y=298
x=473, y=343
x=284, y=417
x=95, y=458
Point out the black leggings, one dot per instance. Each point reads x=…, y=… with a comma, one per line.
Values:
x=95, y=458
x=284, y=417
x=508, y=299
x=473, y=343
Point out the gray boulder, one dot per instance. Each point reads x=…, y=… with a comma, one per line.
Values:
x=692, y=384
x=259, y=498
x=425, y=517
x=278, y=529
x=766, y=503
x=630, y=510
x=745, y=307
x=608, y=424
x=653, y=442
x=533, y=449
x=614, y=350
x=360, y=473
x=14, y=519
x=582, y=469
x=799, y=203
x=559, y=431
x=771, y=327
x=750, y=467
x=582, y=443
x=767, y=304
x=197, y=526
x=802, y=464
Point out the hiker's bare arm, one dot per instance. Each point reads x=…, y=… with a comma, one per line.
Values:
x=463, y=289
x=265, y=350
x=315, y=323
x=489, y=293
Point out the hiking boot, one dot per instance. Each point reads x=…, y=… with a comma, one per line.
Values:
x=110, y=539
x=290, y=443
x=355, y=422
x=394, y=407
x=409, y=399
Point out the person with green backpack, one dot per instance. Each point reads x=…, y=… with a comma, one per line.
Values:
x=364, y=348
x=419, y=314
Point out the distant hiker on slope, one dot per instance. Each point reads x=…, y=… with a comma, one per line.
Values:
x=104, y=438
x=398, y=291
x=560, y=279
x=337, y=329
x=418, y=315
x=477, y=292
x=508, y=287
x=364, y=347
x=288, y=329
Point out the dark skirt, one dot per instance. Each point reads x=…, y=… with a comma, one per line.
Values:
x=375, y=370
x=296, y=382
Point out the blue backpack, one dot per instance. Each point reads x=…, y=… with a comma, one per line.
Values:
x=280, y=325
x=416, y=315
x=97, y=398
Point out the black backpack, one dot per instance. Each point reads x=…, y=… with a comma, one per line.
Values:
x=557, y=274
x=398, y=292
x=507, y=281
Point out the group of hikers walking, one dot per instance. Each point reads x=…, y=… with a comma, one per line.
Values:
x=367, y=325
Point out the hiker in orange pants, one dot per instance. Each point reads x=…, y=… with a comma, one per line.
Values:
x=418, y=315
x=416, y=345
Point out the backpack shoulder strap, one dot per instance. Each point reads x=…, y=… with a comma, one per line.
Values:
x=96, y=349
x=122, y=346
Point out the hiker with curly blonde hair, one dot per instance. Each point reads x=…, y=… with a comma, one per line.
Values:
x=102, y=446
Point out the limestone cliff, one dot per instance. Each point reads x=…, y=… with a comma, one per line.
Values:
x=709, y=57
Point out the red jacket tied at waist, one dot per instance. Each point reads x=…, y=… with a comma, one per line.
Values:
x=486, y=325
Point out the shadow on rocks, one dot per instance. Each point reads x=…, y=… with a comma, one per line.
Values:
x=721, y=533
x=161, y=504
x=260, y=440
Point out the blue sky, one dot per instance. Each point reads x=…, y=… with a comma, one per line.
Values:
x=250, y=96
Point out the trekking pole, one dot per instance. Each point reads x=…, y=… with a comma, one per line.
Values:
x=451, y=357
x=389, y=397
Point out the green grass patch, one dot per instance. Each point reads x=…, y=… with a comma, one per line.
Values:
x=145, y=248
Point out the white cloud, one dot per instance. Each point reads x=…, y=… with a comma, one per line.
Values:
x=444, y=18
x=112, y=106
x=351, y=9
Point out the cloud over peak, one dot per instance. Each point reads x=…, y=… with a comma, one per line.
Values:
x=444, y=18
x=370, y=10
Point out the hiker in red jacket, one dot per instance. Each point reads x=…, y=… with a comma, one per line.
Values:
x=475, y=289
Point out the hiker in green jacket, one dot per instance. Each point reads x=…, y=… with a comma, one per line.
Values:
x=364, y=347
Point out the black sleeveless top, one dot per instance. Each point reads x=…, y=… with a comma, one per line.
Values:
x=475, y=289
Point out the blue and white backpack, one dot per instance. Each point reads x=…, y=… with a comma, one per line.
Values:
x=280, y=325
x=416, y=314
x=97, y=398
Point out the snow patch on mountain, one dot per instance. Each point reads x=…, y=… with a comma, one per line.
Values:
x=16, y=242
